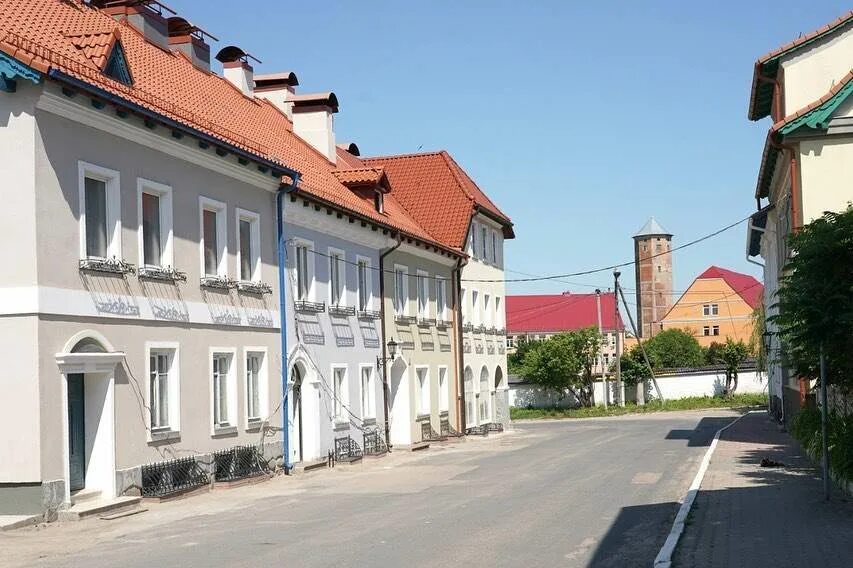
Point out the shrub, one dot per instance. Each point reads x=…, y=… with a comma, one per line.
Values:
x=806, y=429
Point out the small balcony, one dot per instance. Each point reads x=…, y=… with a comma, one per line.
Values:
x=369, y=315
x=217, y=282
x=467, y=327
x=109, y=265
x=306, y=307
x=161, y=273
x=426, y=322
x=341, y=311
x=258, y=288
x=401, y=319
x=442, y=323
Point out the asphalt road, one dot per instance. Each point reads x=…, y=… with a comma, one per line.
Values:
x=594, y=492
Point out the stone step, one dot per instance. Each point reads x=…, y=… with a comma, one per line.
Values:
x=90, y=508
x=305, y=467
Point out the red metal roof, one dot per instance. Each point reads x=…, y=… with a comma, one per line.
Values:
x=744, y=285
x=51, y=35
x=554, y=313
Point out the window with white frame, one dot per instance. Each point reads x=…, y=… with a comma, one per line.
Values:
x=337, y=275
x=340, y=392
x=248, y=246
x=364, y=284
x=401, y=290
x=495, y=247
x=715, y=330
x=463, y=301
x=368, y=398
x=100, y=212
x=423, y=294
x=304, y=271
x=224, y=399
x=499, y=314
x=213, y=244
x=163, y=389
x=487, y=311
x=443, y=390
x=706, y=330
x=423, y=389
x=441, y=298
x=484, y=243
x=472, y=240
x=711, y=309
x=510, y=341
x=256, y=386
x=154, y=203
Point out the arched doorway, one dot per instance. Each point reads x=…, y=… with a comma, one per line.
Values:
x=499, y=397
x=485, y=396
x=470, y=399
x=401, y=416
x=303, y=416
x=88, y=366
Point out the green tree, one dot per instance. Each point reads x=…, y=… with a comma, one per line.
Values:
x=633, y=367
x=815, y=299
x=674, y=348
x=713, y=353
x=564, y=363
x=731, y=354
x=515, y=361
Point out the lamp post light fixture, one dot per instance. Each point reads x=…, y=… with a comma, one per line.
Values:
x=392, y=352
x=767, y=338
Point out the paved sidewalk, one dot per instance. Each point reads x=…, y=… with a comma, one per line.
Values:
x=747, y=515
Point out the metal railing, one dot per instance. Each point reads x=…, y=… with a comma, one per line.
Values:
x=238, y=462
x=428, y=433
x=304, y=306
x=481, y=430
x=467, y=327
x=250, y=287
x=369, y=314
x=337, y=310
x=217, y=282
x=447, y=429
x=426, y=322
x=166, y=478
x=111, y=265
x=162, y=273
x=347, y=449
x=495, y=427
x=404, y=320
x=374, y=443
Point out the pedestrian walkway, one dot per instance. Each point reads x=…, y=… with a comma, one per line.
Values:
x=748, y=515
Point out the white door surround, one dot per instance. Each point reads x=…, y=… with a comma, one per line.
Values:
x=401, y=408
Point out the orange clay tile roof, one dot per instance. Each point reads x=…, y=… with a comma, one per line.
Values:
x=96, y=46
x=759, y=97
x=438, y=194
x=42, y=35
x=359, y=176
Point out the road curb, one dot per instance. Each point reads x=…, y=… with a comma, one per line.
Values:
x=664, y=557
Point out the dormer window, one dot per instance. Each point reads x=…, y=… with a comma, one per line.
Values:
x=116, y=67
x=379, y=201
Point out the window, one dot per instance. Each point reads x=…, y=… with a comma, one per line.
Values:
x=337, y=274
x=475, y=308
x=715, y=330
x=484, y=396
x=368, y=398
x=223, y=395
x=155, y=223
x=484, y=239
x=487, y=311
x=510, y=341
x=340, y=392
x=304, y=276
x=443, y=390
x=379, y=201
x=213, y=238
x=495, y=247
x=710, y=309
x=100, y=219
x=472, y=240
x=401, y=290
x=256, y=386
x=116, y=67
x=706, y=331
x=423, y=386
x=463, y=300
x=364, y=291
x=423, y=294
x=249, y=246
x=441, y=298
x=163, y=392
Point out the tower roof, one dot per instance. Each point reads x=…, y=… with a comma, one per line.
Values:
x=652, y=228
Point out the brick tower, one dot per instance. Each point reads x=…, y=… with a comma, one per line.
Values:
x=653, y=269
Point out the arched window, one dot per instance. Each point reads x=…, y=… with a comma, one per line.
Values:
x=470, y=398
x=485, y=396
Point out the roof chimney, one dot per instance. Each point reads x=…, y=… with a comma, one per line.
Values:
x=145, y=15
x=313, y=121
x=278, y=88
x=236, y=68
x=185, y=37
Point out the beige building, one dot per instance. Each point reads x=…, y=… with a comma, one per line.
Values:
x=807, y=163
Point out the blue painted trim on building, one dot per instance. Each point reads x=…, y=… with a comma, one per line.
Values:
x=277, y=169
x=282, y=310
x=11, y=70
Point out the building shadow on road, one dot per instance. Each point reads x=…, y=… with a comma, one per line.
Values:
x=703, y=433
x=635, y=536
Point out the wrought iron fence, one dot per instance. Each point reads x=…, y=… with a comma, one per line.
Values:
x=428, y=433
x=374, y=443
x=238, y=462
x=347, y=449
x=480, y=430
x=166, y=478
x=494, y=427
x=447, y=429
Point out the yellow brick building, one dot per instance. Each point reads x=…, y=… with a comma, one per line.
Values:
x=717, y=305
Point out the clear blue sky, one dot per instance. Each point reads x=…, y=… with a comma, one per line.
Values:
x=580, y=119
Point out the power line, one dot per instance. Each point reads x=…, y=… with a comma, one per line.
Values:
x=553, y=277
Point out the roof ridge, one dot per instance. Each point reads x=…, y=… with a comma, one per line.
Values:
x=834, y=90
x=806, y=38
x=452, y=166
x=403, y=156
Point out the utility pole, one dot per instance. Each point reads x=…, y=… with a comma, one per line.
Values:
x=619, y=387
x=824, y=443
x=640, y=343
x=600, y=357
